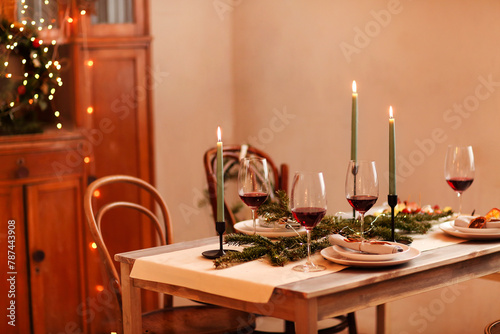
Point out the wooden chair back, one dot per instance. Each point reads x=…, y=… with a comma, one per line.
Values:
x=232, y=155
x=161, y=223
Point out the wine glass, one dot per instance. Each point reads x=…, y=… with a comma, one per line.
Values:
x=308, y=205
x=361, y=187
x=253, y=184
x=459, y=170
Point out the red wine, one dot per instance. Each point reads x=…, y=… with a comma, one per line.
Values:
x=460, y=183
x=309, y=217
x=254, y=199
x=362, y=203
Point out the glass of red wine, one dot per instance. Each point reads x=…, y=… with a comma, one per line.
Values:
x=253, y=184
x=308, y=205
x=361, y=188
x=459, y=170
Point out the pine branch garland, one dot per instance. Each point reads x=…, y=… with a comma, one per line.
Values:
x=285, y=249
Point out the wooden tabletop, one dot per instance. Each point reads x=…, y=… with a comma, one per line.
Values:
x=348, y=290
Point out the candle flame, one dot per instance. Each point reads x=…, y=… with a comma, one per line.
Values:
x=390, y=112
x=218, y=134
x=354, y=86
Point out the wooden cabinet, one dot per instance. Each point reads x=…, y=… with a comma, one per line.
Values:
x=110, y=105
x=41, y=232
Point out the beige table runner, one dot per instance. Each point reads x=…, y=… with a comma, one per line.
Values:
x=252, y=281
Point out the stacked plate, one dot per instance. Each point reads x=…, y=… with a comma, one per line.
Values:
x=458, y=228
x=350, y=257
x=269, y=231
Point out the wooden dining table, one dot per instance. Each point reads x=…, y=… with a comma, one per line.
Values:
x=307, y=300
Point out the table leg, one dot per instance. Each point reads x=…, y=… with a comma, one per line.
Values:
x=306, y=317
x=131, y=302
x=382, y=318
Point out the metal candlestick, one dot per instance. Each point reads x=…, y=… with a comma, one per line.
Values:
x=393, y=201
x=220, y=227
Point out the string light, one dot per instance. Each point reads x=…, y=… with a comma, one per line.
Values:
x=90, y=110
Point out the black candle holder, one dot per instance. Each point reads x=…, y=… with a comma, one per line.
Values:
x=393, y=201
x=220, y=227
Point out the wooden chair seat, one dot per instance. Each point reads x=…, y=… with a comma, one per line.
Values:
x=197, y=319
x=185, y=319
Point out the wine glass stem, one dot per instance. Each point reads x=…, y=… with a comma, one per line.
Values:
x=362, y=223
x=459, y=203
x=308, y=247
x=254, y=222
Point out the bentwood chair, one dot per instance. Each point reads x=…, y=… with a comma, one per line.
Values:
x=169, y=319
x=278, y=176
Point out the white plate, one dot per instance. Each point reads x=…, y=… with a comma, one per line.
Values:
x=246, y=227
x=448, y=228
x=331, y=255
x=356, y=255
x=475, y=230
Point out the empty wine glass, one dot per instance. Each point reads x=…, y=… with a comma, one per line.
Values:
x=308, y=205
x=361, y=188
x=459, y=170
x=253, y=184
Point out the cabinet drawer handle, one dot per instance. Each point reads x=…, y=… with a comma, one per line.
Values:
x=22, y=171
x=38, y=256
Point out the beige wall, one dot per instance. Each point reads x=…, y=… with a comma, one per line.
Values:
x=278, y=74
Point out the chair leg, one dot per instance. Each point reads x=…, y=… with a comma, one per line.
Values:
x=351, y=321
x=289, y=327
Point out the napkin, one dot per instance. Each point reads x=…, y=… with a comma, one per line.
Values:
x=464, y=221
x=367, y=246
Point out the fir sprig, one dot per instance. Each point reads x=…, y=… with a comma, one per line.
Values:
x=285, y=249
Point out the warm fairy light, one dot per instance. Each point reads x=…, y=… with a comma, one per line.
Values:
x=8, y=75
x=90, y=63
x=93, y=245
x=97, y=193
x=90, y=110
x=99, y=288
x=57, y=113
x=354, y=86
x=59, y=126
x=86, y=160
x=70, y=20
x=83, y=12
x=390, y=112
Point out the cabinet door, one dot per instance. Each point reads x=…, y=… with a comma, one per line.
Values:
x=13, y=263
x=55, y=250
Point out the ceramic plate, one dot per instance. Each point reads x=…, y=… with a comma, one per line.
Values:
x=246, y=227
x=448, y=228
x=475, y=230
x=331, y=255
x=356, y=255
